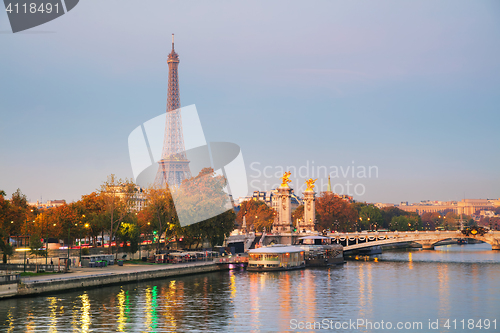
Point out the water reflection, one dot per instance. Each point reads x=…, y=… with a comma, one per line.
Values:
x=151, y=304
x=85, y=313
x=122, y=310
x=254, y=301
x=444, y=291
x=53, y=314
x=243, y=301
x=171, y=305
x=10, y=321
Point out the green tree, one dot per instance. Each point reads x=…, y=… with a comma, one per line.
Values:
x=406, y=223
x=129, y=233
x=370, y=218
x=389, y=212
x=220, y=227
x=36, y=246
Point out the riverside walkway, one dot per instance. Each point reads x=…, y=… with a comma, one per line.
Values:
x=79, y=278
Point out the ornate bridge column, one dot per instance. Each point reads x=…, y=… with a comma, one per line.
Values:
x=283, y=221
x=309, y=208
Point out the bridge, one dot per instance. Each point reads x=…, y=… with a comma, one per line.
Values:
x=357, y=240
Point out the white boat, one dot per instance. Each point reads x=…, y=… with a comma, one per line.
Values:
x=276, y=258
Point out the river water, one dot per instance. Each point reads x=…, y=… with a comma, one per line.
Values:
x=404, y=288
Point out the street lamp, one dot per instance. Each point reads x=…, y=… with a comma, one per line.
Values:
x=87, y=233
x=80, y=243
x=25, y=235
x=46, y=237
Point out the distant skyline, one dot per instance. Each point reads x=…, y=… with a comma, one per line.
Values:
x=409, y=88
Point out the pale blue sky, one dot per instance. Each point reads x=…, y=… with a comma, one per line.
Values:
x=410, y=87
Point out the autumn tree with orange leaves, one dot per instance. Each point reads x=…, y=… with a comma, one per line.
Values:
x=335, y=213
x=257, y=214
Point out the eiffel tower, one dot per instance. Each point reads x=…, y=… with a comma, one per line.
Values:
x=173, y=167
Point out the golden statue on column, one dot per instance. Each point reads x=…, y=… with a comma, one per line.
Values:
x=285, y=179
x=310, y=184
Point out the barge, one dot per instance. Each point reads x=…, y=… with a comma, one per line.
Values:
x=321, y=251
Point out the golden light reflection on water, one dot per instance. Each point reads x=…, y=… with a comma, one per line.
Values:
x=30, y=325
x=309, y=296
x=172, y=304
x=86, y=319
x=232, y=284
x=369, y=291
x=53, y=314
x=122, y=317
x=254, y=300
x=10, y=321
x=410, y=260
x=444, y=291
x=285, y=301
x=151, y=304
x=362, y=300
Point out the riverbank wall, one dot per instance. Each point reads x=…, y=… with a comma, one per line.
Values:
x=96, y=278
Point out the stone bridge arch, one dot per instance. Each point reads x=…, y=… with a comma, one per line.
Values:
x=425, y=238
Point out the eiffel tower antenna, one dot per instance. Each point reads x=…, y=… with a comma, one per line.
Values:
x=173, y=167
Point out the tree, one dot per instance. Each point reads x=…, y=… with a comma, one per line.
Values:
x=335, y=213
x=451, y=221
x=430, y=220
x=389, y=212
x=117, y=195
x=406, y=223
x=214, y=229
x=91, y=208
x=257, y=215
x=5, y=247
x=298, y=214
x=18, y=213
x=36, y=246
x=370, y=217
x=5, y=224
x=129, y=234
x=196, y=198
x=160, y=209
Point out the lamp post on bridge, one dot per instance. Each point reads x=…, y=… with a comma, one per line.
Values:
x=368, y=219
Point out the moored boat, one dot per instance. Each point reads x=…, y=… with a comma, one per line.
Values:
x=321, y=251
x=276, y=258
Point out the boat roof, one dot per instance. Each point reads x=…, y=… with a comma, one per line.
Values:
x=277, y=249
x=314, y=237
